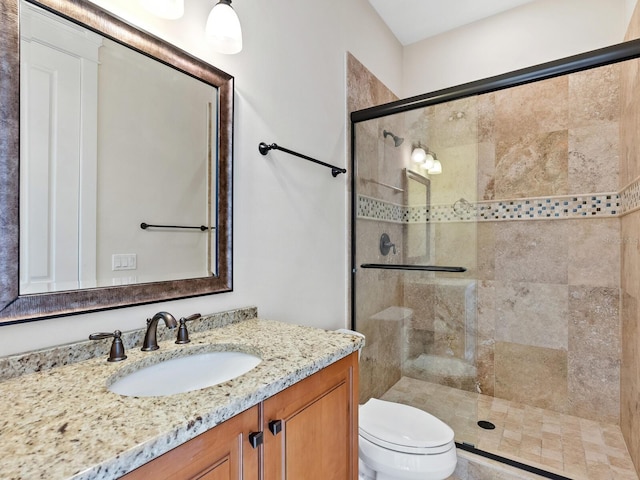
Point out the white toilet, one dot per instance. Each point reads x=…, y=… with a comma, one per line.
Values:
x=400, y=442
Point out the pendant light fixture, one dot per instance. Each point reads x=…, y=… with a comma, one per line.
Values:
x=422, y=156
x=223, y=28
x=169, y=9
x=426, y=159
x=436, y=169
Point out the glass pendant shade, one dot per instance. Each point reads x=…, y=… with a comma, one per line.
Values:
x=429, y=161
x=436, y=169
x=423, y=157
x=223, y=28
x=418, y=155
x=169, y=9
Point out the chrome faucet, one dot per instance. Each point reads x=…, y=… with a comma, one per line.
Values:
x=150, y=339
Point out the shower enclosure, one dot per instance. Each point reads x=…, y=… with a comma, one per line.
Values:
x=486, y=234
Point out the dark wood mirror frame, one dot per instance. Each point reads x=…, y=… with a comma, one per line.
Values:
x=21, y=308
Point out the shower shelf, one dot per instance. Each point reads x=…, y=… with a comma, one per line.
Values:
x=419, y=268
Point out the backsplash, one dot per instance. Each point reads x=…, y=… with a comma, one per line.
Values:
x=39, y=360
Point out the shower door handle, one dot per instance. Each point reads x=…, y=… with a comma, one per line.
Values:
x=416, y=268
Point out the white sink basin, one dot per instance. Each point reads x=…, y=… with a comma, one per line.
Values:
x=184, y=374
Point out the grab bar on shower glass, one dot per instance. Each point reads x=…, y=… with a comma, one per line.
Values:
x=420, y=268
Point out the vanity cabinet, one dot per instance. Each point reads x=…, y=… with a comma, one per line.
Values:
x=311, y=429
x=308, y=431
x=222, y=453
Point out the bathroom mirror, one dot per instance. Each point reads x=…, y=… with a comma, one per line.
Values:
x=417, y=199
x=71, y=216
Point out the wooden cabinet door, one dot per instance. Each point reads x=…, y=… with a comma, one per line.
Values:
x=222, y=453
x=310, y=429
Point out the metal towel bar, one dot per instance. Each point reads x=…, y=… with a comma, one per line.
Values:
x=144, y=226
x=263, y=148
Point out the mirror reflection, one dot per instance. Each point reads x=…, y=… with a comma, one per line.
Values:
x=110, y=139
x=417, y=198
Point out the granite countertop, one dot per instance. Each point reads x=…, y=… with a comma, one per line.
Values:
x=64, y=423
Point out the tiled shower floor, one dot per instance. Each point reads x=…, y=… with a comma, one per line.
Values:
x=570, y=446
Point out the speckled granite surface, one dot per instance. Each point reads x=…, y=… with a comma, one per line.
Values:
x=63, y=422
x=40, y=360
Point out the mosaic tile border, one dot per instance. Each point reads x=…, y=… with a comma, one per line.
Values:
x=630, y=197
x=375, y=209
x=545, y=208
x=574, y=206
x=538, y=208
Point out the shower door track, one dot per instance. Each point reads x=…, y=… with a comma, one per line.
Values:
x=467, y=447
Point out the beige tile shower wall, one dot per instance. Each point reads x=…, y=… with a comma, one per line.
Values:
x=377, y=290
x=451, y=131
x=630, y=278
x=548, y=292
x=630, y=371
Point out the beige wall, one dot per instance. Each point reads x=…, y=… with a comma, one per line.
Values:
x=530, y=34
x=630, y=241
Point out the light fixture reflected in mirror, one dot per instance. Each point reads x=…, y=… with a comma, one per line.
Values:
x=418, y=155
x=223, y=28
x=436, y=169
x=429, y=160
x=423, y=156
x=169, y=9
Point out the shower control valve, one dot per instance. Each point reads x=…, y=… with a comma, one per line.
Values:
x=386, y=245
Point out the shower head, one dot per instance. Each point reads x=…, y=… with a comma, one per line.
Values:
x=397, y=141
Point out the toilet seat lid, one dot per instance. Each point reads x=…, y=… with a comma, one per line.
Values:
x=403, y=428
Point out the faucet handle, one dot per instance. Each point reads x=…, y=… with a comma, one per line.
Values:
x=183, y=333
x=117, y=347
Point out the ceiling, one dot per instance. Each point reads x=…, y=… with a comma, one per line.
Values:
x=414, y=20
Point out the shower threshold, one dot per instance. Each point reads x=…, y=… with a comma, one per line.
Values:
x=543, y=442
x=512, y=463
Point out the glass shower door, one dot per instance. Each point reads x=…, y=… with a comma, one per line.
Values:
x=415, y=260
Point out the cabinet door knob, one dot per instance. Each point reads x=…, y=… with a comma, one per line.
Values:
x=275, y=426
x=256, y=439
